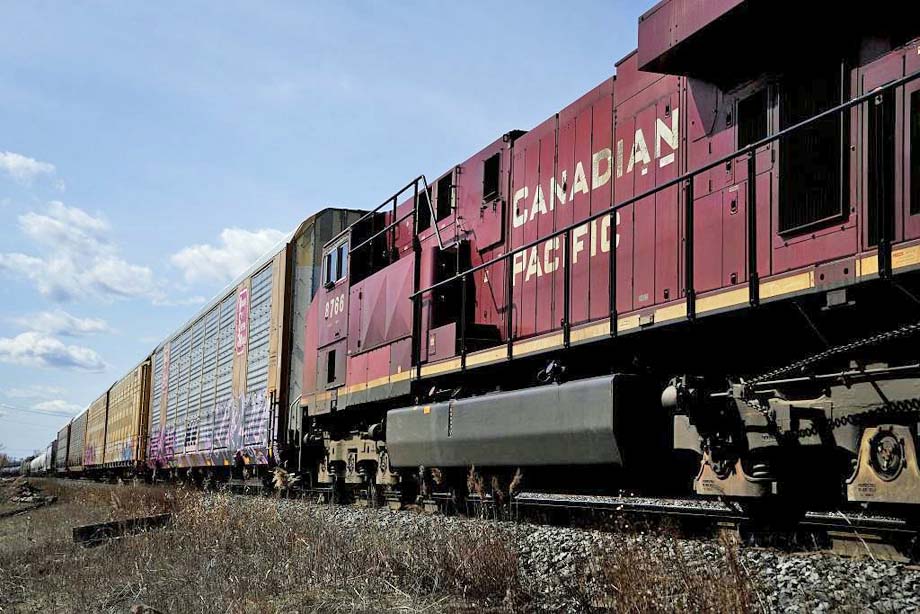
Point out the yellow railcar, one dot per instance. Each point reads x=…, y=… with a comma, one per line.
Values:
x=94, y=450
x=126, y=424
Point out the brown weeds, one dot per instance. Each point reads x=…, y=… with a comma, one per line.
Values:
x=631, y=577
x=248, y=554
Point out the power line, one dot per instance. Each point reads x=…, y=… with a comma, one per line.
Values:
x=42, y=412
x=5, y=420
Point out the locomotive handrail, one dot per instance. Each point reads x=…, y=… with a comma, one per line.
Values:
x=411, y=214
x=681, y=179
x=389, y=227
x=434, y=216
x=883, y=247
x=385, y=230
x=372, y=211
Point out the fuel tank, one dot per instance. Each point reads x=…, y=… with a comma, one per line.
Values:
x=557, y=424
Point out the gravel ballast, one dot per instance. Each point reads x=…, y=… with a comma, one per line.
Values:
x=551, y=557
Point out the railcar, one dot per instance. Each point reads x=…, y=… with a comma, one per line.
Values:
x=219, y=386
x=25, y=465
x=700, y=275
x=10, y=471
x=77, y=444
x=43, y=464
x=63, y=449
x=94, y=440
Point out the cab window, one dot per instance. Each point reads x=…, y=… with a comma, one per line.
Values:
x=335, y=264
x=341, y=264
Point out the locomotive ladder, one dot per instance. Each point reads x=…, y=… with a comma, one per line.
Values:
x=418, y=186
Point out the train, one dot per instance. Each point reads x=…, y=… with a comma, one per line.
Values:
x=10, y=471
x=701, y=277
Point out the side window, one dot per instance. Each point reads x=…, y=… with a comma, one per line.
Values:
x=915, y=153
x=445, y=198
x=752, y=118
x=330, y=367
x=491, y=176
x=335, y=264
x=329, y=268
x=423, y=210
x=341, y=267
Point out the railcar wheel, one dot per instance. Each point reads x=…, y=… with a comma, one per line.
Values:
x=886, y=455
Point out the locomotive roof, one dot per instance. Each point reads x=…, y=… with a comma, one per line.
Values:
x=727, y=41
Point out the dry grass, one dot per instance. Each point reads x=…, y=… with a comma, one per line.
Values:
x=633, y=581
x=240, y=554
x=249, y=554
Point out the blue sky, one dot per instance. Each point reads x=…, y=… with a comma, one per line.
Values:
x=150, y=150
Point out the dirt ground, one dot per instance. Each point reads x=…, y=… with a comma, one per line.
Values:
x=36, y=535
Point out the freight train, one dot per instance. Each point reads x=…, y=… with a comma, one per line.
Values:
x=702, y=276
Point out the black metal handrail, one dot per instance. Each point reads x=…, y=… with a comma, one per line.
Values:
x=372, y=211
x=686, y=178
x=394, y=200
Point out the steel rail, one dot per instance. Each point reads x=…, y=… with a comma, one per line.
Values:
x=624, y=506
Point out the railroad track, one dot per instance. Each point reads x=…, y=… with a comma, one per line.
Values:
x=845, y=533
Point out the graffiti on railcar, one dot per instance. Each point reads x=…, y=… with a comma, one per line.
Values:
x=89, y=455
x=238, y=428
x=124, y=451
x=160, y=451
x=242, y=320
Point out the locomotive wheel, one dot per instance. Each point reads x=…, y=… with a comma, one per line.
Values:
x=887, y=455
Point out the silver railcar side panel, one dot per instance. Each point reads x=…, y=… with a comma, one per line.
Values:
x=208, y=378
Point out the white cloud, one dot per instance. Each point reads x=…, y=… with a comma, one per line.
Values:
x=70, y=227
x=77, y=258
x=60, y=322
x=23, y=169
x=238, y=250
x=57, y=406
x=35, y=349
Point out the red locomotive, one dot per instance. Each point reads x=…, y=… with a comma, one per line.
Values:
x=611, y=298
